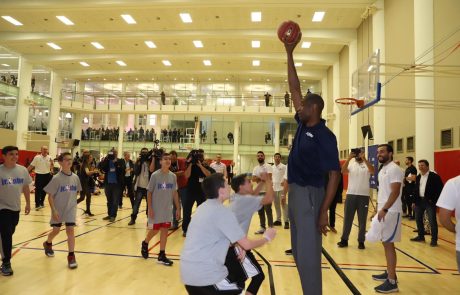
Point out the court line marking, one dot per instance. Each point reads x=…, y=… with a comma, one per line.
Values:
x=439, y=237
x=270, y=272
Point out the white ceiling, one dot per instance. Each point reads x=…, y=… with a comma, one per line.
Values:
x=224, y=27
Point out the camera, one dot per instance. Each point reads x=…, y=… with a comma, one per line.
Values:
x=195, y=155
x=111, y=156
x=154, y=153
x=356, y=151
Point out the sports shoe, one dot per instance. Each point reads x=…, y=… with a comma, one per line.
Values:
x=6, y=269
x=72, y=262
x=387, y=287
x=89, y=213
x=382, y=277
x=286, y=225
x=184, y=234
x=106, y=218
x=418, y=239
x=162, y=259
x=112, y=219
x=48, y=249
x=342, y=244
x=131, y=222
x=277, y=223
x=260, y=231
x=288, y=252
x=434, y=243
x=145, y=250
x=361, y=246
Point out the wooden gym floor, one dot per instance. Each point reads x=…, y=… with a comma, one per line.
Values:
x=109, y=261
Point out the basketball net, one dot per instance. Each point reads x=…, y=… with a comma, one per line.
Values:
x=346, y=106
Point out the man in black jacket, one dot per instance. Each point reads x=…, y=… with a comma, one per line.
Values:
x=114, y=172
x=128, y=180
x=428, y=188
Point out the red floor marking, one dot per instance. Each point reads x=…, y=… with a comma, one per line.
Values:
x=19, y=249
x=157, y=243
x=449, y=269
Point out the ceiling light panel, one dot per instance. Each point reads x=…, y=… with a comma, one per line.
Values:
x=65, y=20
x=12, y=20
x=186, y=17
x=5, y=65
x=54, y=46
x=318, y=16
x=306, y=44
x=256, y=16
x=121, y=63
x=198, y=44
x=207, y=62
x=255, y=44
x=85, y=64
x=150, y=44
x=166, y=63
x=128, y=19
x=298, y=64
x=256, y=63
x=97, y=45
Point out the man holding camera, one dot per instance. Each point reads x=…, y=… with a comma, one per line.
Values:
x=143, y=168
x=128, y=181
x=196, y=172
x=114, y=171
x=359, y=171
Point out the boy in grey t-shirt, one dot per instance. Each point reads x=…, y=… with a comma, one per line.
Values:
x=213, y=228
x=161, y=191
x=63, y=192
x=14, y=180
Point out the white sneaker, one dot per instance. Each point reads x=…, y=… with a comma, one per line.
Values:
x=260, y=231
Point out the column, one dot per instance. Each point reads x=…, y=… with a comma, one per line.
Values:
x=80, y=91
x=353, y=136
x=276, y=136
x=76, y=131
x=336, y=94
x=236, y=140
x=123, y=118
x=22, y=108
x=53, y=126
x=424, y=86
x=197, y=136
x=378, y=42
x=328, y=107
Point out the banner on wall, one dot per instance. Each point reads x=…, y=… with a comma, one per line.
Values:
x=372, y=158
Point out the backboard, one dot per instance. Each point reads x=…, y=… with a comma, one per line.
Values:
x=366, y=82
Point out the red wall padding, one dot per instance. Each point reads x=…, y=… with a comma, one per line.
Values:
x=447, y=164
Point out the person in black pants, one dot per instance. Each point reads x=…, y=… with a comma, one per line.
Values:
x=195, y=173
x=113, y=182
x=337, y=199
x=85, y=174
x=42, y=165
x=128, y=181
x=408, y=193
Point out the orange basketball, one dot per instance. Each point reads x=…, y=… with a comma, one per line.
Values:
x=288, y=32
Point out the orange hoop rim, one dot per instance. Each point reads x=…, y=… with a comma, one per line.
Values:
x=350, y=101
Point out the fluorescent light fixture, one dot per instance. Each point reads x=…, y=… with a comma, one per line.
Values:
x=256, y=16
x=68, y=116
x=207, y=62
x=256, y=63
x=121, y=63
x=11, y=20
x=85, y=120
x=97, y=45
x=84, y=63
x=65, y=20
x=5, y=65
x=128, y=19
x=370, y=68
x=298, y=64
x=150, y=44
x=186, y=17
x=318, y=16
x=54, y=46
x=255, y=44
x=198, y=43
x=166, y=63
x=268, y=80
x=306, y=44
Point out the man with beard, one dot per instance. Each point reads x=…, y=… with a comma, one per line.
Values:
x=267, y=208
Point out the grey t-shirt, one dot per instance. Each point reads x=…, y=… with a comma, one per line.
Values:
x=64, y=189
x=162, y=186
x=244, y=207
x=212, y=229
x=12, y=182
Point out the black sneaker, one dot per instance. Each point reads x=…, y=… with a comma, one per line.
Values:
x=387, y=287
x=286, y=225
x=112, y=219
x=131, y=222
x=382, y=277
x=48, y=249
x=342, y=244
x=162, y=259
x=106, y=218
x=72, y=262
x=145, y=250
x=434, y=243
x=418, y=239
x=277, y=223
x=361, y=246
x=6, y=269
x=184, y=234
x=288, y=252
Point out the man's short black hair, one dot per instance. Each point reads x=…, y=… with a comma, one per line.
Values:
x=260, y=152
x=277, y=154
x=173, y=152
x=314, y=99
x=411, y=159
x=237, y=181
x=212, y=184
x=144, y=149
x=165, y=155
x=9, y=148
x=388, y=147
x=62, y=155
x=425, y=161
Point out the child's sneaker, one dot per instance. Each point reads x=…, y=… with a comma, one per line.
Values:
x=6, y=269
x=72, y=262
x=48, y=249
x=162, y=259
x=145, y=250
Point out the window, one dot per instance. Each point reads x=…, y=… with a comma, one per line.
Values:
x=152, y=120
x=446, y=138
x=392, y=143
x=410, y=144
x=341, y=154
x=399, y=145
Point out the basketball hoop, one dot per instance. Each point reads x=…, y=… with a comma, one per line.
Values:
x=346, y=105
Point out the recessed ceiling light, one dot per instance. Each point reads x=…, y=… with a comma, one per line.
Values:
x=298, y=64
x=89, y=79
x=97, y=45
x=105, y=79
x=11, y=20
x=153, y=79
x=85, y=64
x=226, y=79
x=303, y=81
x=128, y=19
x=120, y=79
x=150, y=44
x=198, y=44
x=285, y=80
x=5, y=65
x=137, y=79
x=121, y=63
x=54, y=46
x=207, y=62
x=256, y=16
x=250, y=79
x=209, y=79
x=306, y=44
x=186, y=17
x=65, y=20
x=318, y=16
x=175, y=79
x=268, y=80
x=255, y=44
x=256, y=63
x=166, y=63
x=193, y=79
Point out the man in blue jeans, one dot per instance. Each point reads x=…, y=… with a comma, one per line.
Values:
x=114, y=171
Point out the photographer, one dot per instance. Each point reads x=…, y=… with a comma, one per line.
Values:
x=196, y=173
x=114, y=171
x=143, y=168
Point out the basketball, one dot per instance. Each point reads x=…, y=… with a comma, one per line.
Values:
x=288, y=32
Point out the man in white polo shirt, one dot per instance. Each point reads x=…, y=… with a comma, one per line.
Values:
x=43, y=165
x=359, y=171
x=449, y=200
x=279, y=170
x=219, y=166
x=266, y=209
